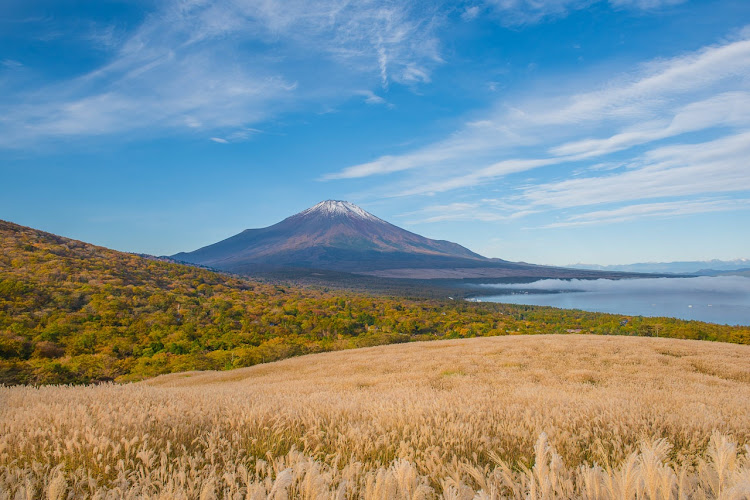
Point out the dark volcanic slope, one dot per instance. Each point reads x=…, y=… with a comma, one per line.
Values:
x=339, y=236
x=332, y=235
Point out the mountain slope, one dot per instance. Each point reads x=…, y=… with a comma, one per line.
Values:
x=334, y=235
x=340, y=236
x=72, y=312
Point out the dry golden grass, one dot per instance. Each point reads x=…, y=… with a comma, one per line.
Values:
x=503, y=417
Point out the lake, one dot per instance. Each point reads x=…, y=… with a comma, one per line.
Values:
x=719, y=299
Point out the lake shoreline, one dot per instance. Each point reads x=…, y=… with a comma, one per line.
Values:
x=715, y=299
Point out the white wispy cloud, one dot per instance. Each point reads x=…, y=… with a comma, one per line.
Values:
x=371, y=97
x=660, y=210
x=182, y=93
x=486, y=210
x=519, y=12
x=679, y=127
x=239, y=135
x=717, y=166
x=671, y=97
x=11, y=63
x=470, y=13
x=729, y=109
x=516, y=12
x=184, y=67
x=499, y=169
x=645, y=4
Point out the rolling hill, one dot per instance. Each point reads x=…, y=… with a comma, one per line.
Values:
x=538, y=417
x=72, y=312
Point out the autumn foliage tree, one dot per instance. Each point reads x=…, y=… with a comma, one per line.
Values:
x=71, y=312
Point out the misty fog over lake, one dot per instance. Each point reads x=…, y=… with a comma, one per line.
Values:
x=721, y=299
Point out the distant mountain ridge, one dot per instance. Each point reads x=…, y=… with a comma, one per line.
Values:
x=333, y=234
x=703, y=267
x=336, y=235
x=74, y=312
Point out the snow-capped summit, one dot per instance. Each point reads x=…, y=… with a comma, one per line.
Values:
x=333, y=208
x=339, y=236
x=334, y=235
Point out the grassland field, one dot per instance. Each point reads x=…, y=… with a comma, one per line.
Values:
x=543, y=416
x=75, y=313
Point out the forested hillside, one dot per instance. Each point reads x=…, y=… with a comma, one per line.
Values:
x=72, y=312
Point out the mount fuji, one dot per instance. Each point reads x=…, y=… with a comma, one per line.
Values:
x=337, y=235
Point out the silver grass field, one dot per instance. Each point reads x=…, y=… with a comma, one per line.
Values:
x=536, y=417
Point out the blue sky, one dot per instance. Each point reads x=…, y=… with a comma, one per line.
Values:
x=552, y=132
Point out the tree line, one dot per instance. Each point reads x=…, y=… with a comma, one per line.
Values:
x=72, y=312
